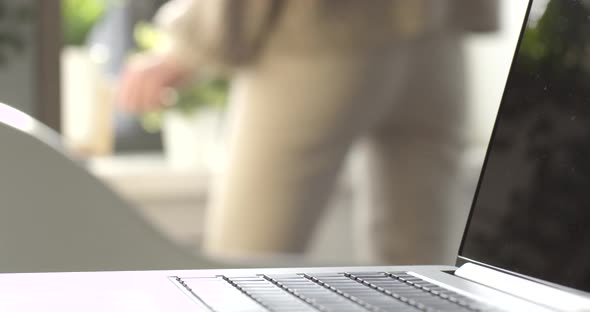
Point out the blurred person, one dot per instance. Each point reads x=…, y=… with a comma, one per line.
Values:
x=309, y=78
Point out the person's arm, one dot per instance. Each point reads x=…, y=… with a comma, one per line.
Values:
x=146, y=80
x=223, y=33
x=201, y=33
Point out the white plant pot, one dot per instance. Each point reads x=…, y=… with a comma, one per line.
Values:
x=86, y=103
x=193, y=142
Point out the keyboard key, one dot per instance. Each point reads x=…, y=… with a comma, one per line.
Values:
x=357, y=291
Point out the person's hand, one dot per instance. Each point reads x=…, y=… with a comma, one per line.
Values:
x=146, y=81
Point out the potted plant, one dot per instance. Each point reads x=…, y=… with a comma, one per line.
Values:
x=192, y=125
x=86, y=101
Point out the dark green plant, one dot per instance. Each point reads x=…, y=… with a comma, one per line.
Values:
x=556, y=43
x=15, y=17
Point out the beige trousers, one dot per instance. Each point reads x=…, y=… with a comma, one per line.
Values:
x=296, y=117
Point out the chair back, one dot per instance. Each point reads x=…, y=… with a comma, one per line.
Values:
x=56, y=216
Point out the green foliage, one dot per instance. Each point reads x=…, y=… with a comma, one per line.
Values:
x=147, y=37
x=78, y=18
x=151, y=121
x=205, y=91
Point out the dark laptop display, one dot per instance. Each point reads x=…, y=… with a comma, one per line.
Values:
x=532, y=211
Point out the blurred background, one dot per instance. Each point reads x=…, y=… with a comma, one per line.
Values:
x=60, y=62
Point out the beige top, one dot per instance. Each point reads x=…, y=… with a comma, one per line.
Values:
x=235, y=32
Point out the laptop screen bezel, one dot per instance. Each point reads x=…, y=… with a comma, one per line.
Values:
x=461, y=260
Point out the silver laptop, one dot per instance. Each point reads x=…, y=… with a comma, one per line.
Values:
x=526, y=246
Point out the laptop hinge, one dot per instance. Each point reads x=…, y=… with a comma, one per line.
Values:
x=523, y=288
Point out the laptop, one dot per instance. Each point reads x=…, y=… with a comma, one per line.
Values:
x=526, y=246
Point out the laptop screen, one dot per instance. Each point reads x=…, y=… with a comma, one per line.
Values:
x=531, y=213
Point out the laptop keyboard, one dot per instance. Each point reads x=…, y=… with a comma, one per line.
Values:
x=360, y=291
